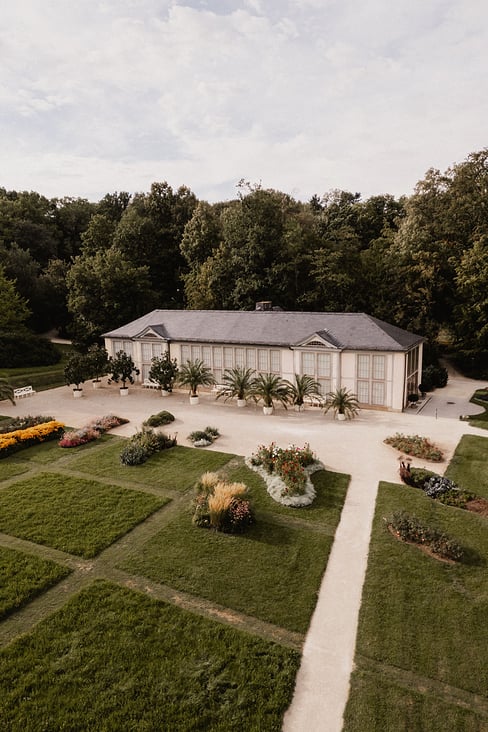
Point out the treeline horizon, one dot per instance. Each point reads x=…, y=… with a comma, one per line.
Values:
x=419, y=262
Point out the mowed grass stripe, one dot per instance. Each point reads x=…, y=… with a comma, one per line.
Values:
x=113, y=659
x=75, y=515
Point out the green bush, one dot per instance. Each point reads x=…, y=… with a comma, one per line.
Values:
x=159, y=419
x=26, y=350
x=144, y=444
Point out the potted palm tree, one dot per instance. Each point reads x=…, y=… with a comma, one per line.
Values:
x=122, y=368
x=343, y=402
x=237, y=383
x=164, y=371
x=6, y=391
x=194, y=374
x=302, y=387
x=97, y=364
x=269, y=388
x=75, y=373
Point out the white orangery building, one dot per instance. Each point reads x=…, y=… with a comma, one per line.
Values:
x=377, y=361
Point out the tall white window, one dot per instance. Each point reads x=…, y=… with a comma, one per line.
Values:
x=185, y=354
x=371, y=379
x=274, y=362
x=251, y=358
x=262, y=360
x=240, y=357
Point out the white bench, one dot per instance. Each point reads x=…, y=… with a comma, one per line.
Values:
x=148, y=384
x=23, y=391
x=219, y=387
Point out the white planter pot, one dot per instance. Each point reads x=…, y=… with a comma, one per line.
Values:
x=241, y=403
x=194, y=400
x=124, y=390
x=298, y=407
x=77, y=393
x=340, y=417
x=268, y=410
x=96, y=384
x=165, y=393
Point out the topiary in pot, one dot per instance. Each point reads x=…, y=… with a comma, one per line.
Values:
x=164, y=371
x=122, y=368
x=237, y=383
x=302, y=387
x=75, y=371
x=269, y=388
x=194, y=374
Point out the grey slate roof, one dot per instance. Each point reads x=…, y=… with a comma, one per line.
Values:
x=349, y=331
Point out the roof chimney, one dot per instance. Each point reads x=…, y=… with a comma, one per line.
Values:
x=264, y=305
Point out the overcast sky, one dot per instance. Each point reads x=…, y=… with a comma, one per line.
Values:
x=299, y=95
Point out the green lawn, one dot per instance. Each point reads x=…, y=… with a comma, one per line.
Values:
x=23, y=576
x=71, y=514
x=480, y=420
x=422, y=639
x=175, y=469
x=113, y=659
x=257, y=573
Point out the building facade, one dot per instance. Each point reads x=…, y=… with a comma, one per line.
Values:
x=380, y=363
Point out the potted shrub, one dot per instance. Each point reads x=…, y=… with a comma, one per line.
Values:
x=164, y=371
x=302, y=387
x=122, y=368
x=97, y=364
x=343, y=402
x=75, y=373
x=194, y=374
x=237, y=383
x=269, y=388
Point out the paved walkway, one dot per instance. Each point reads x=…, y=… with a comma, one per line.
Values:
x=354, y=447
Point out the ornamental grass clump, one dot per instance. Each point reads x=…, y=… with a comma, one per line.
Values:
x=221, y=506
x=410, y=529
x=415, y=445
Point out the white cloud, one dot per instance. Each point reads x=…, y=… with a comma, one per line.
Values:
x=304, y=95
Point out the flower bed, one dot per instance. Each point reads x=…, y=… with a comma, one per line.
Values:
x=19, y=439
x=91, y=431
x=22, y=423
x=144, y=444
x=410, y=529
x=417, y=446
x=286, y=472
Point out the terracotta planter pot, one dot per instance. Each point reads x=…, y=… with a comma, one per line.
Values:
x=268, y=410
x=194, y=400
x=77, y=393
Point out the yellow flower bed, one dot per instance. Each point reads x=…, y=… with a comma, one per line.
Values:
x=11, y=441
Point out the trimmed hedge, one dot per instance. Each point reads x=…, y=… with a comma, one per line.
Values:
x=26, y=350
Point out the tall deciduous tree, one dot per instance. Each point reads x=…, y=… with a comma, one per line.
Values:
x=13, y=311
x=106, y=290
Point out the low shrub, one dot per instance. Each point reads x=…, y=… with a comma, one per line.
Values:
x=411, y=529
x=204, y=438
x=11, y=442
x=436, y=485
x=221, y=505
x=26, y=350
x=21, y=423
x=159, y=419
x=457, y=498
x=415, y=445
x=144, y=444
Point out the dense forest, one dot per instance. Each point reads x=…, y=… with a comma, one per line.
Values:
x=420, y=262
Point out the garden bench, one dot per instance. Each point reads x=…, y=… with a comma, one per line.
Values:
x=148, y=384
x=314, y=401
x=219, y=387
x=23, y=391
